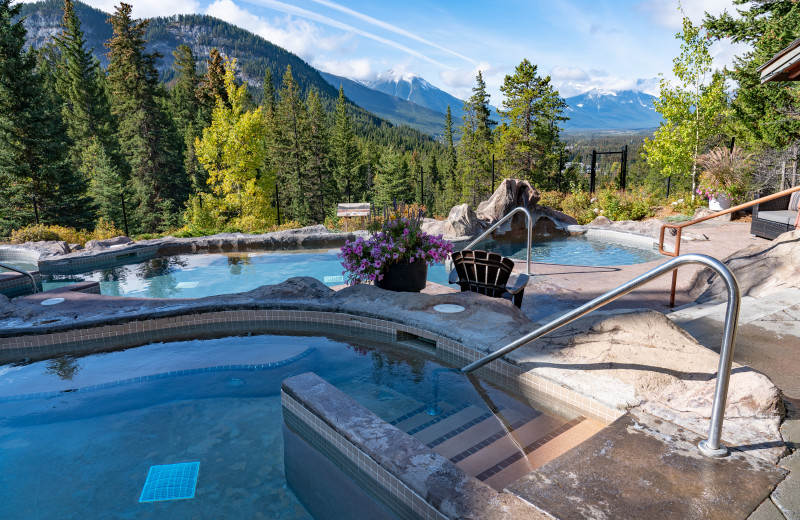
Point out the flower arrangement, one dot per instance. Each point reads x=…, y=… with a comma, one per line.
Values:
x=724, y=172
x=400, y=239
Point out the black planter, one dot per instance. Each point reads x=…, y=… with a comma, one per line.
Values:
x=404, y=277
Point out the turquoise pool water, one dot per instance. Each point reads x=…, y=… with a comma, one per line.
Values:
x=195, y=276
x=571, y=251
x=79, y=435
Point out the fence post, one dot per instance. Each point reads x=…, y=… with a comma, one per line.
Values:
x=277, y=203
x=594, y=169
x=35, y=210
x=669, y=181
x=125, y=214
x=492, y=173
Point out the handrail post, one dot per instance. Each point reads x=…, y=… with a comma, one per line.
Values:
x=711, y=447
x=501, y=221
x=679, y=227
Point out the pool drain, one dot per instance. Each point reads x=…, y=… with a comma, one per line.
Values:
x=52, y=301
x=448, y=308
x=170, y=482
x=234, y=382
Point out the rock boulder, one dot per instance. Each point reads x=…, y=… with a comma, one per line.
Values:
x=628, y=359
x=101, y=245
x=759, y=269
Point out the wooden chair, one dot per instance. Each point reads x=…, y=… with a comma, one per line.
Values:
x=487, y=273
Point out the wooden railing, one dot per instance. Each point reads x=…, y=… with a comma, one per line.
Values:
x=679, y=227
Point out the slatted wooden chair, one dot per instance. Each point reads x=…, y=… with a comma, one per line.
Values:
x=487, y=273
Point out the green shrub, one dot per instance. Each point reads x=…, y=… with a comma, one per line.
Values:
x=103, y=230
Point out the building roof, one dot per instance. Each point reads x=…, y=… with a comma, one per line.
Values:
x=784, y=66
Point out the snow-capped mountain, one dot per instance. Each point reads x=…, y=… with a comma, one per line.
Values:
x=416, y=89
x=611, y=110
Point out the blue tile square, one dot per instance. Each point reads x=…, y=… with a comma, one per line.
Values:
x=170, y=482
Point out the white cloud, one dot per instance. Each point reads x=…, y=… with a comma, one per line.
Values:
x=353, y=69
x=147, y=8
x=296, y=35
x=568, y=74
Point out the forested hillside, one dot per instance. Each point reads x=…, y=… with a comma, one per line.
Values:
x=197, y=125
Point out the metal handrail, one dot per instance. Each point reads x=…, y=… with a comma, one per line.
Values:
x=679, y=227
x=26, y=273
x=710, y=447
x=499, y=222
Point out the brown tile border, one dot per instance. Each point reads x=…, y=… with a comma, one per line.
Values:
x=541, y=391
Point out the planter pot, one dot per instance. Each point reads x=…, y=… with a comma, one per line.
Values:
x=719, y=203
x=404, y=277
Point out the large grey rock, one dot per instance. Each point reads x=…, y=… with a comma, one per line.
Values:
x=705, y=212
x=47, y=248
x=514, y=193
x=102, y=245
x=461, y=221
x=628, y=359
x=759, y=269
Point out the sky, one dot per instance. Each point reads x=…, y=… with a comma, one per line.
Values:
x=581, y=44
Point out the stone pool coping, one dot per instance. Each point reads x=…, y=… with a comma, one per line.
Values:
x=58, y=258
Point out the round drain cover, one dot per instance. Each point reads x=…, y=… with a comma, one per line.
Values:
x=234, y=382
x=448, y=308
x=52, y=301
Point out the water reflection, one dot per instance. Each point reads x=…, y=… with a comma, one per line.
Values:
x=65, y=367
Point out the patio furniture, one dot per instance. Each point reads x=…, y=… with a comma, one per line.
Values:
x=487, y=273
x=775, y=217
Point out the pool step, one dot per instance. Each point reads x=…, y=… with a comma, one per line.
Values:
x=496, y=448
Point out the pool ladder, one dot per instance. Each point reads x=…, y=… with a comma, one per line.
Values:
x=710, y=447
x=22, y=271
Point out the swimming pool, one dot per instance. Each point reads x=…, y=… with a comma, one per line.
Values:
x=198, y=275
x=570, y=251
x=78, y=435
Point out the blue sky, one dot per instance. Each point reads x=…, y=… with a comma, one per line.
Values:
x=581, y=44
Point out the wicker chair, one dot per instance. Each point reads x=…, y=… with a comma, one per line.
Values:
x=487, y=273
x=773, y=218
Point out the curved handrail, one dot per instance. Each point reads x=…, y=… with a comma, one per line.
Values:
x=679, y=228
x=499, y=222
x=26, y=273
x=710, y=447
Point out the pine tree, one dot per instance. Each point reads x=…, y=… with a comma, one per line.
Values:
x=185, y=111
x=290, y=149
x=158, y=181
x=106, y=184
x=318, y=160
x=528, y=138
x=392, y=183
x=268, y=100
x=450, y=164
x=345, y=151
x=476, y=144
x=212, y=87
x=33, y=141
x=763, y=115
x=85, y=106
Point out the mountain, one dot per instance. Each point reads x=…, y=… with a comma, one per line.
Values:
x=397, y=110
x=416, y=89
x=253, y=53
x=611, y=110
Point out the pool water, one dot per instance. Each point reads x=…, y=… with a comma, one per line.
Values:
x=199, y=275
x=570, y=251
x=78, y=435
